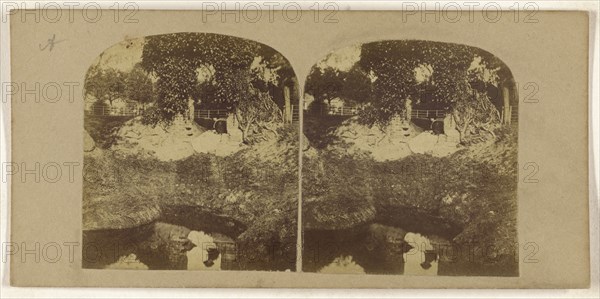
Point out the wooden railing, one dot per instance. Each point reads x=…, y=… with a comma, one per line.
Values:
x=113, y=111
x=295, y=113
x=416, y=113
x=428, y=114
x=341, y=111
x=211, y=113
x=350, y=111
x=222, y=113
x=200, y=113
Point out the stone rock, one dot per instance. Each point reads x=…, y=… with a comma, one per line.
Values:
x=388, y=237
x=305, y=143
x=382, y=145
x=423, y=143
x=233, y=129
x=444, y=146
x=400, y=130
x=218, y=144
x=88, y=143
x=164, y=143
x=165, y=232
x=435, y=145
x=200, y=257
x=450, y=129
x=129, y=262
x=387, y=234
x=342, y=265
x=389, y=151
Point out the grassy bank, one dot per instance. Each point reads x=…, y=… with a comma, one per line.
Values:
x=102, y=128
x=469, y=196
x=256, y=188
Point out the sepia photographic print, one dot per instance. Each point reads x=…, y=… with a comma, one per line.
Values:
x=329, y=148
x=191, y=151
x=412, y=164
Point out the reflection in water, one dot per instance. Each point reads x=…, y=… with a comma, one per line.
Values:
x=422, y=258
x=377, y=249
x=384, y=249
x=374, y=249
x=130, y=262
x=166, y=245
x=343, y=264
x=158, y=246
x=205, y=255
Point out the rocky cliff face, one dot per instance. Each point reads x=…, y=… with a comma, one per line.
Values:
x=177, y=141
x=397, y=140
x=164, y=143
x=381, y=144
x=88, y=143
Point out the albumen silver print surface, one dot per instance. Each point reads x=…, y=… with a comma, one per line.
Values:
x=412, y=167
x=191, y=149
x=388, y=149
x=410, y=152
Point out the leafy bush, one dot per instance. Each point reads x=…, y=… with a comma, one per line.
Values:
x=257, y=186
x=337, y=191
x=474, y=189
x=123, y=191
x=152, y=116
x=103, y=128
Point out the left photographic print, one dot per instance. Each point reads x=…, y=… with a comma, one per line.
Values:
x=190, y=155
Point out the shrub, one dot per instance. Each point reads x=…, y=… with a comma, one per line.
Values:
x=123, y=191
x=474, y=188
x=103, y=128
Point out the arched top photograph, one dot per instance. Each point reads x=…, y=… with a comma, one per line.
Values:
x=425, y=133
x=414, y=80
x=162, y=78
x=190, y=143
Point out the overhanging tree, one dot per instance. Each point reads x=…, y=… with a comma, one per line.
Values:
x=357, y=89
x=258, y=112
x=105, y=84
x=325, y=84
x=448, y=86
x=175, y=59
x=352, y=86
x=139, y=87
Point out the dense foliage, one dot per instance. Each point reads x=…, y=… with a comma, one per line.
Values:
x=139, y=86
x=473, y=190
x=391, y=75
x=105, y=84
x=431, y=74
x=256, y=186
x=237, y=69
x=103, y=129
x=337, y=191
x=109, y=84
x=325, y=85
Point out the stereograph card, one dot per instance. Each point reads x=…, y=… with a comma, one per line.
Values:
x=308, y=149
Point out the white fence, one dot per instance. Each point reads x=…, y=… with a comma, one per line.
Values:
x=428, y=114
x=340, y=111
x=350, y=111
x=113, y=111
x=211, y=113
x=415, y=114
x=200, y=113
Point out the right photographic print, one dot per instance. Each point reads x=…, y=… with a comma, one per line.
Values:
x=409, y=163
